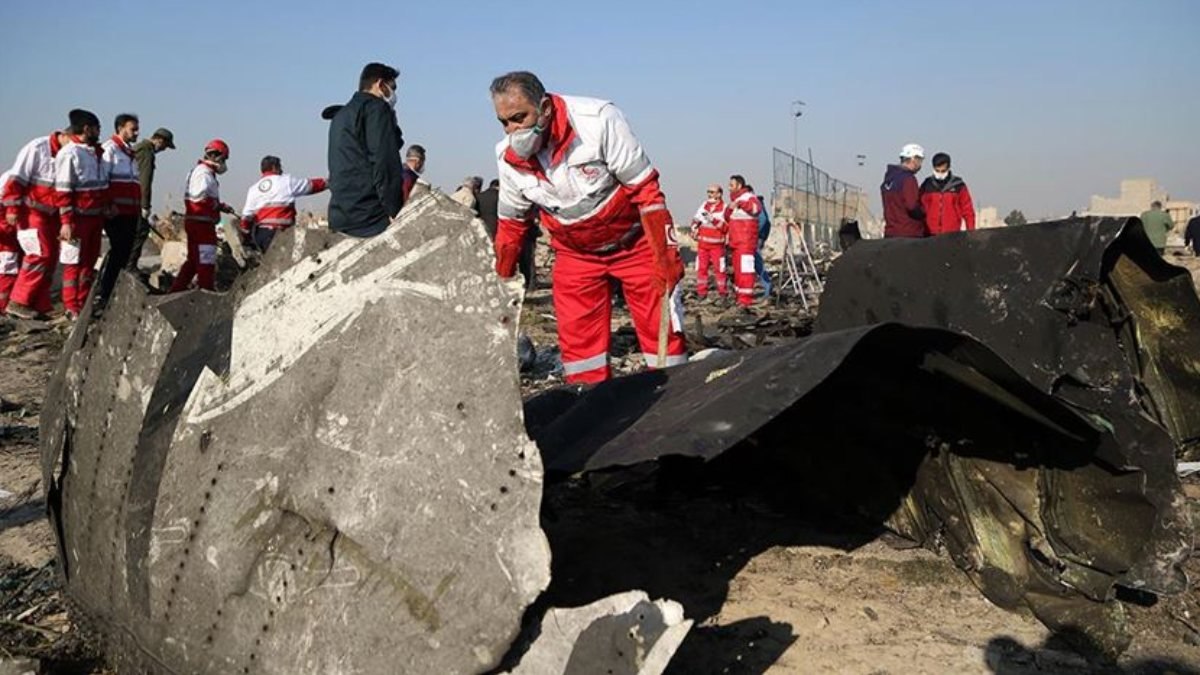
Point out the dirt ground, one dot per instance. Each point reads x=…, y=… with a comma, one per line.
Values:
x=769, y=593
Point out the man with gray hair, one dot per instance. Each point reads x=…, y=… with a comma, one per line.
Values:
x=414, y=165
x=467, y=193
x=575, y=164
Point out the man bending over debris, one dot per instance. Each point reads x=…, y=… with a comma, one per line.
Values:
x=577, y=161
x=271, y=202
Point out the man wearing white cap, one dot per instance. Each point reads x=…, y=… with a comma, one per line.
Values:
x=902, y=197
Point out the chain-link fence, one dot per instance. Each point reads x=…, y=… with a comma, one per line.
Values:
x=812, y=198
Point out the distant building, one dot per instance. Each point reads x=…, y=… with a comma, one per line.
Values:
x=988, y=217
x=1136, y=196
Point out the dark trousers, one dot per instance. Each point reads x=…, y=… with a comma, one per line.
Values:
x=263, y=236
x=526, y=262
x=140, y=234
x=121, y=232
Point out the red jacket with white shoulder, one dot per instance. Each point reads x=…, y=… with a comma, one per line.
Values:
x=709, y=222
x=743, y=206
x=271, y=202
x=31, y=180
x=591, y=182
x=202, y=200
x=124, y=188
x=80, y=181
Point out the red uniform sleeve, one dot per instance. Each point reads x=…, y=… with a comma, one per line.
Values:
x=317, y=185
x=966, y=207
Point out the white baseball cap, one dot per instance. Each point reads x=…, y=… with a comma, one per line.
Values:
x=912, y=150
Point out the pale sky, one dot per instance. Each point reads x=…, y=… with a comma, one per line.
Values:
x=1041, y=104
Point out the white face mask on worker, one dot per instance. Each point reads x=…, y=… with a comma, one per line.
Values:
x=941, y=175
x=525, y=143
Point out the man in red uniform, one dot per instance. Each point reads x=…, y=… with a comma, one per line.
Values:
x=711, y=232
x=742, y=216
x=10, y=251
x=270, y=206
x=125, y=189
x=31, y=206
x=202, y=212
x=578, y=163
x=946, y=199
x=81, y=183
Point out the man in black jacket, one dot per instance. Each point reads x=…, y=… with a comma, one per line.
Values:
x=365, y=176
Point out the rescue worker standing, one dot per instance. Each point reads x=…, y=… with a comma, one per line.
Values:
x=365, y=179
x=31, y=205
x=710, y=232
x=202, y=208
x=10, y=252
x=578, y=163
x=125, y=189
x=742, y=216
x=901, y=196
x=945, y=199
x=271, y=202
x=81, y=182
x=144, y=154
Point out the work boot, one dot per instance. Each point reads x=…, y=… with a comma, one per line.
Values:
x=19, y=311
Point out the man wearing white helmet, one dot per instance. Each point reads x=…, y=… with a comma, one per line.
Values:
x=902, y=197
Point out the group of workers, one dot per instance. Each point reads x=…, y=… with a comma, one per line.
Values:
x=66, y=189
x=741, y=226
x=62, y=192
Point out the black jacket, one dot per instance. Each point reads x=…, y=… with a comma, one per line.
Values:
x=488, y=203
x=365, y=180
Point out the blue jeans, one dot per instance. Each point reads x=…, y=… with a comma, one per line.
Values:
x=760, y=270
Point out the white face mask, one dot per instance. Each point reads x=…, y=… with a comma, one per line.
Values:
x=526, y=143
x=391, y=98
x=941, y=175
x=220, y=167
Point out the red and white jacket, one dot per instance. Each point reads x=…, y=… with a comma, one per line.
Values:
x=743, y=206
x=31, y=180
x=80, y=181
x=124, y=187
x=592, y=182
x=271, y=202
x=202, y=198
x=709, y=222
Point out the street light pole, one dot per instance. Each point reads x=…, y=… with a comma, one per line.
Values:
x=797, y=112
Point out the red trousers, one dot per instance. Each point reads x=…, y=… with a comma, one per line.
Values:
x=710, y=255
x=79, y=272
x=10, y=262
x=201, y=257
x=38, y=235
x=743, y=239
x=583, y=307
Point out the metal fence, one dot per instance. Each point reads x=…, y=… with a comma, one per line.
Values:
x=808, y=196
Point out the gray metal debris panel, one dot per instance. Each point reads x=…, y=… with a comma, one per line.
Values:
x=323, y=471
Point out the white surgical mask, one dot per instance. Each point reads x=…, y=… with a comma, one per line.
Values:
x=525, y=143
x=941, y=175
x=391, y=98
